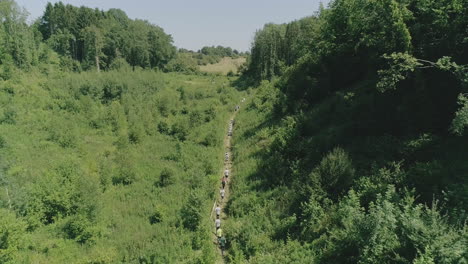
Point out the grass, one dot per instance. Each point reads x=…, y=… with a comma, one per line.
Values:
x=226, y=65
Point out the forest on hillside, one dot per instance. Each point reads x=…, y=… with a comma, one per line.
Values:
x=354, y=148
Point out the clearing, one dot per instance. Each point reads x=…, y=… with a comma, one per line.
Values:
x=226, y=65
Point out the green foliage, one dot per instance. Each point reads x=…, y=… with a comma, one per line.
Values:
x=292, y=173
x=156, y=217
x=12, y=231
x=17, y=39
x=64, y=133
x=400, y=65
x=166, y=177
x=78, y=228
x=182, y=63
x=335, y=172
x=83, y=164
x=460, y=122
x=104, y=39
x=191, y=214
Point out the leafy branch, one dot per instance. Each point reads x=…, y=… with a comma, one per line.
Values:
x=402, y=64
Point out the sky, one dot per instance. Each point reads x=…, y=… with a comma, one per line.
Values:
x=197, y=23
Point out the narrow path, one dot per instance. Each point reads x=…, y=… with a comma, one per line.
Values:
x=222, y=202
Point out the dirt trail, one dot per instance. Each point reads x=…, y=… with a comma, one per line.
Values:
x=222, y=202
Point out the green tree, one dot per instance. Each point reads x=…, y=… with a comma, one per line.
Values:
x=94, y=43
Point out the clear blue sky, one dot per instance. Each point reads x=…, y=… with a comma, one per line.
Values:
x=197, y=23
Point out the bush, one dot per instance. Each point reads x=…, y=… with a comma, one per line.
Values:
x=3, y=142
x=63, y=132
x=191, y=212
x=335, y=172
x=166, y=177
x=156, y=216
x=78, y=228
x=12, y=231
x=126, y=173
x=163, y=128
x=180, y=129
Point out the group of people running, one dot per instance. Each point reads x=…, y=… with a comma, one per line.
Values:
x=231, y=124
x=222, y=191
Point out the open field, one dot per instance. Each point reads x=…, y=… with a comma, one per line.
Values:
x=224, y=66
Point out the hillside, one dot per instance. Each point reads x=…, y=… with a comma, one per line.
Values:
x=110, y=167
x=354, y=146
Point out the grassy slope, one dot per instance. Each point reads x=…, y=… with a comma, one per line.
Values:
x=56, y=128
x=255, y=211
x=226, y=65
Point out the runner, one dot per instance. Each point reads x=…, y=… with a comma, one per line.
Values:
x=223, y=182
x=222, y=192
x=218, y=210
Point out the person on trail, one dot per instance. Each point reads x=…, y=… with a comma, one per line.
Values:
x=222, y=192
x=223, y=182
x=226, y=173
x=218, y=210
x=219, y=233
x=222, y=244
x=237, y=108
x=218, y=223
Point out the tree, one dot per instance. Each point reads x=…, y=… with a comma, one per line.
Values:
x=161, y=50
x=17, y=38
x=94, y=43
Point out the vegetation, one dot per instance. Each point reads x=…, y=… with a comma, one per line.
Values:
x=109, y=167
x=104, y=158
x=98, y=39
x=227, y=66
x=352, y=149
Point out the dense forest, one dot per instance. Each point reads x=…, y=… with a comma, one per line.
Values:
x=353, y=149
x=351, y=146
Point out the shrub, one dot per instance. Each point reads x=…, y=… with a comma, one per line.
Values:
x=3, y=142
x=126, y=173
x=335, y=172
x=9, y=116
x=63, y=132
x=180, y=129
x=191, y=212
x=163, y=127
x=78, y=228
x=166, y=177
x=156, y=216
x=11, y=233
x=113, y=90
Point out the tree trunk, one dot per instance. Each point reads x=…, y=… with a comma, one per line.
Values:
x=97, y=64
x=8, y=196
